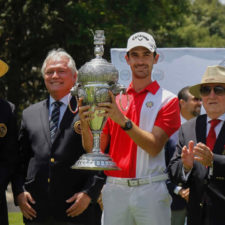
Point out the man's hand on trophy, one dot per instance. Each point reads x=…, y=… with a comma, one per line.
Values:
x=85, y=116
x=110, y=109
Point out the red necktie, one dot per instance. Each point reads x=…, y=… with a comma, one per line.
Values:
x=211, y=138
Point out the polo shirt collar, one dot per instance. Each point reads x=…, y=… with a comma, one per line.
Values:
x=152, y=87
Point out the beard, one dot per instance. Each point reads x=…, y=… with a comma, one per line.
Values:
x=197, y=111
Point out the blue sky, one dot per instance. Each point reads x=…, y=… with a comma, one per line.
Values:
x=222, y=1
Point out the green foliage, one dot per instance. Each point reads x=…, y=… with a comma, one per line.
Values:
x=15, y=218
x=204, y=26
x=30, y=28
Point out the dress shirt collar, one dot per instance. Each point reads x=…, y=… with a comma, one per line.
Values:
x=222, y=117
x=64, y=100
x=218, y=127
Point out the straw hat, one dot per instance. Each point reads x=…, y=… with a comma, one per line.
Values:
x=3, y=68
x=212, y=75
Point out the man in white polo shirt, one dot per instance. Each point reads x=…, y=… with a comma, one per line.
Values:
x=137, y=193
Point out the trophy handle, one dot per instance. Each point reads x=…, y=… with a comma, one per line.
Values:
x=69, y=105
x=128, y=102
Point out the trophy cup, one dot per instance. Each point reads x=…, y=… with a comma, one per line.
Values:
x=95, y=79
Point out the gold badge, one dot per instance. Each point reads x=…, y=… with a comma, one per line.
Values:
x=3, y=130
x=77, y=127
x=149, y=104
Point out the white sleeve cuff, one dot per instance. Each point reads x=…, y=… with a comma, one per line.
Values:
x=177, y=189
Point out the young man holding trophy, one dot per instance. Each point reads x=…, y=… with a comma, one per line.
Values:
x=137, y=193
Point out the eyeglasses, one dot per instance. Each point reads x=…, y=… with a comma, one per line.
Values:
x=206, y=90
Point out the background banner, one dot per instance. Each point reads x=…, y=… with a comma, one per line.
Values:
x=176, y=67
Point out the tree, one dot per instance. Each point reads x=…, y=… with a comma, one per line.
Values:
x=30, y=28
x=204, y=26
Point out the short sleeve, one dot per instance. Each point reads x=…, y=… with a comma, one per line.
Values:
x=168, y=117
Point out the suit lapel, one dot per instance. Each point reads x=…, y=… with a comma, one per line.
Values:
x=220, y=141
x=200, y=129
x=201, y=137
x=44, y=113
x=67, y=118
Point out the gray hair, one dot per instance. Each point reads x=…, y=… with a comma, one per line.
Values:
x=56, y=54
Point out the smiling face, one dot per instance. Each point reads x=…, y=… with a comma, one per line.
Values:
x=58, y=77
x=214, y=104
x=141, y=62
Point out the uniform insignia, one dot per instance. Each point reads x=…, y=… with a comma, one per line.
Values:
x=3, y=130
x=77, y=127
x=149, y=104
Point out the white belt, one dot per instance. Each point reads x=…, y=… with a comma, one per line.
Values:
x=132, y=182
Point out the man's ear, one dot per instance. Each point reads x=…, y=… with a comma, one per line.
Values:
x=75, y=77
x=156, y=58
x=181, y=103
x=127, y=58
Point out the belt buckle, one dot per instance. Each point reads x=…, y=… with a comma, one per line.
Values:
x=133, y=182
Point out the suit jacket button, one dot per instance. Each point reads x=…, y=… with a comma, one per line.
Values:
x=52, y=160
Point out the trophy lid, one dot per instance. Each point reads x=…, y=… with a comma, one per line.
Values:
x=98, y=70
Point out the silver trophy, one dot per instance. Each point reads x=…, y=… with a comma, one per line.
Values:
x=95, y=79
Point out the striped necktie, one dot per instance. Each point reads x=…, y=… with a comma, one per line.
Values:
x=54, y=120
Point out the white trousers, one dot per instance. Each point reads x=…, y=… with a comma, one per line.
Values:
x=147, y=204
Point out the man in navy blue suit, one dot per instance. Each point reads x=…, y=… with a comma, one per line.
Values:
x=48, y=190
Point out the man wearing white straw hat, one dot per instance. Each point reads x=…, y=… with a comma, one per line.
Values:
x=8, y=148
x=199, y=160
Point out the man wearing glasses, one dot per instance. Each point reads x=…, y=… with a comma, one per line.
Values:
x=199, y=160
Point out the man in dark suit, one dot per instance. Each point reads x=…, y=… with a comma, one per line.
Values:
x=199, y=160
x=8, y=148
x=190, y=107
x=48, y=190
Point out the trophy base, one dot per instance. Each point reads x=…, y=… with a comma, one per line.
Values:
x=95, y=161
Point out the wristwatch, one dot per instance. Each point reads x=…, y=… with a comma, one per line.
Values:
x=128, y=125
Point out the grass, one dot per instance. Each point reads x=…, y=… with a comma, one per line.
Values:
x=15, y=218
